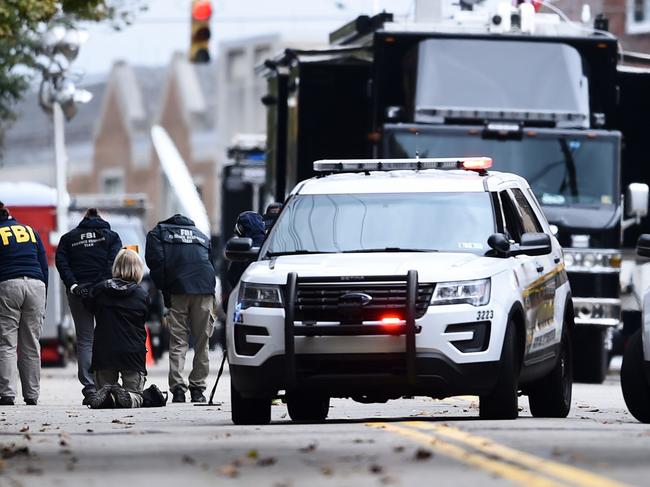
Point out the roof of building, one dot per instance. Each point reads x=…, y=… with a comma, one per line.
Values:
x=29, y=140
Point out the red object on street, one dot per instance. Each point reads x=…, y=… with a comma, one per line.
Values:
x=202, y=10
x=149, y=360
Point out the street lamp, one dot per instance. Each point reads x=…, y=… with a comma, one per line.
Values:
x=59, y=97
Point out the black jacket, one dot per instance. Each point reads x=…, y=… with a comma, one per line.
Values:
x=120, y=310
x=85, y=255
x=21, y=252
x=179, y=257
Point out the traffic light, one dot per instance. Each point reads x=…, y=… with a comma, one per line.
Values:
x=201, y=13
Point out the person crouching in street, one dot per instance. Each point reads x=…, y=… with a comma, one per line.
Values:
x=120, y=306
x=23, y=293
x=179, y=259
x=84, y=257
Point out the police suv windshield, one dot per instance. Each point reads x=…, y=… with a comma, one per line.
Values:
x=407, y=222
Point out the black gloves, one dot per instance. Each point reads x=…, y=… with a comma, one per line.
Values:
x=82, y=291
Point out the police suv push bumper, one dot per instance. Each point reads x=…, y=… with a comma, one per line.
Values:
x=434, y=350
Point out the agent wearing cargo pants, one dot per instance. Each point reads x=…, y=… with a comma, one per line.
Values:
x=23, y=290
x=190, y=314
x=179, y=259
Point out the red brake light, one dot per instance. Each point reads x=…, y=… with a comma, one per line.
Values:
x=476, y=163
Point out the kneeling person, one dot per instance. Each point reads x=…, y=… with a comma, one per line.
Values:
x=120, y=307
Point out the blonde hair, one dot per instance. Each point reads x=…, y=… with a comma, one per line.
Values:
x=128, y=266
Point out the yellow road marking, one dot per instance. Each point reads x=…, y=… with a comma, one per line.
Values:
x=565, y=473
x=466, y=398
x=515, y=473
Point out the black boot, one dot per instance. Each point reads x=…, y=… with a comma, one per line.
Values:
x=178, y=395
x=121, y=396
x=102, y=398
x=196, y=394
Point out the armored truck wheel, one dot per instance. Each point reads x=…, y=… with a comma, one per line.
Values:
x=550, y=397
x=634, y=381
x=590, y=355
x=501, y=402
x=249, y=410
x=306, y=408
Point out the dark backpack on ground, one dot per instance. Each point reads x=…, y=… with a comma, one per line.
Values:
x=153, y=397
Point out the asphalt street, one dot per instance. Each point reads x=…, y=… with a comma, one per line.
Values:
x=407, y=442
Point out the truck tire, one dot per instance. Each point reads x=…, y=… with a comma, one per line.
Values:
x=312, y=409
x=249, y=411
x=634, y=382
x=590, y=355
x=550, y=397
x=501, y=402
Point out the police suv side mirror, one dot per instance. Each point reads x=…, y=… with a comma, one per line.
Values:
x=240, y=249
x=643, y=245
x=533, y=243
x=500, y=243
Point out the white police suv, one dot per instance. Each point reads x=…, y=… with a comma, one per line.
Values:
x=635, y=370
x=402, y=277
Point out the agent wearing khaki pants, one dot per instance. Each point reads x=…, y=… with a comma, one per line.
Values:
x=23, y=288
x=190, y=314
x=22, y=310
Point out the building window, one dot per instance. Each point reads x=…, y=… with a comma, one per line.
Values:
x=638, y=17
x=113, y=184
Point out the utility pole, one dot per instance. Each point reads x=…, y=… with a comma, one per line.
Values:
x=61, y=165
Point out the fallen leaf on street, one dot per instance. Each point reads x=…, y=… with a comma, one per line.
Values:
x=309, y=448
x=376, y=469
x=266, y=462
x=189, y=460
x=228, y=471
x=327, y=470
x=398, y=449
x=423, y=454
x=252, y=454
x=14, y=451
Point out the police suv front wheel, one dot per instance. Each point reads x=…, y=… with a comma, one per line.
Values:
x=550, y=397
x=249, y=410
x=501, y=402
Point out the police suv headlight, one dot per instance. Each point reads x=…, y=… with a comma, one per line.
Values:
x=259, y=296
x=594, y=261
x=476, y=293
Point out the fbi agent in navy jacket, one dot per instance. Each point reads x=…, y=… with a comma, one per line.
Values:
x=23, y=291
x=179, y=257
x=85, y=257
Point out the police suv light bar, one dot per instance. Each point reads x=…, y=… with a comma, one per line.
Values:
x=479, y=164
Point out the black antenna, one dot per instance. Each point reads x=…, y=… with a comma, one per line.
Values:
x=417, y=150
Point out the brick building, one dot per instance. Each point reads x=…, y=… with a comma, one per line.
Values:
x=629, y=20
